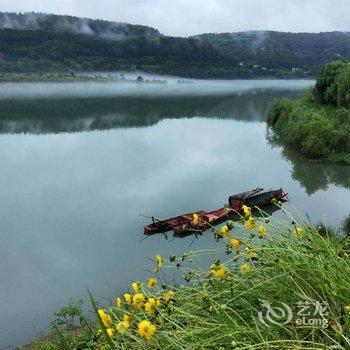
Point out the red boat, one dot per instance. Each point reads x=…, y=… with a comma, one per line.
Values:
x=185, y=224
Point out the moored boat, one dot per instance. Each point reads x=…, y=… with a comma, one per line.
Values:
x=199, y=221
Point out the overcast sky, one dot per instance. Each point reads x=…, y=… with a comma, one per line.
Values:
x=187, y=17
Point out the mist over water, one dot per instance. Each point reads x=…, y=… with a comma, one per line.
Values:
x=80, y=162
x=118, y=89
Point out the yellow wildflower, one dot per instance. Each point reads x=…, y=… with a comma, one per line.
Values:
x=247, y=210
x=137, y=300
x=106, y=319
x=235, y=243
x=298, y=232
x=347, y=309
x=169, y=296
x=122, y=326
x=146, y=329
x=159, y=260
x=118, y=302
x=110, y=332
x=195, y=220
x=262, y=231
x=250, y=223
x=136, y=287
x=219, y=272
x=150, y=306
x=128, y=298
x=246, y=268
x=225, y=230
x=127, y=318
x=250, y=254
x=152, y=282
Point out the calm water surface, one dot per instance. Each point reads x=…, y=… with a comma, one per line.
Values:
x=79, y=163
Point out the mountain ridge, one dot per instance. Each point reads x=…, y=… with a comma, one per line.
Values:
x=47, y=42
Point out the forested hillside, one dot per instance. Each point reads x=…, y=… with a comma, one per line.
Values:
x=71, y=24
x=277, y=50
x=32, y=42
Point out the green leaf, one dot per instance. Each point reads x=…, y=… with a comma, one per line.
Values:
x=102, y=325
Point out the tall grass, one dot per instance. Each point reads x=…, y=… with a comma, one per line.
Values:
x=293, y=263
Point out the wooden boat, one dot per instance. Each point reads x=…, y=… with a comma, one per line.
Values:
x=185, y=224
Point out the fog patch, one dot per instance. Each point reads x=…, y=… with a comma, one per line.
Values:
x=171, y=87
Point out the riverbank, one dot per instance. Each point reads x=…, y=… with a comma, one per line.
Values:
x=72, y=77
x=270, y=284
x=318, y=125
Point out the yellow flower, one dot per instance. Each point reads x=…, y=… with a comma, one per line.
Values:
x=136, y=287
x=137, y=300
x=225, y=230
x=219, y=272
x=298, y=232
x=247, y=210
x=118, y=302
x=250, y=254
x=262, y=231
x=347, y=309
x=250, y=223
x=235, y=243
x=128, y=298
x=110, y=332
x=169, y=296
x=152, y=282
x=146, y=329
x=127, y=318
x=195, y=220
x=150, y=306
x=106, y=319
x=246, y=268
x=159, y=260
x=122, y=326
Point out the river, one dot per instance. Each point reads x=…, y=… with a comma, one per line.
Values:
x=81, y=161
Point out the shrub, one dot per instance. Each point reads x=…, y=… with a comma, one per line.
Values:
x=325, y=88
x=320, y=131
x=343, y=88
x=277, y=109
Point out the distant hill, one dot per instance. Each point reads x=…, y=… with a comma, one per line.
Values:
x=76, y=25
x=306, y=51
x=32, y=42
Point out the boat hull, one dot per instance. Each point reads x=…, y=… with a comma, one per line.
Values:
x=183, y=225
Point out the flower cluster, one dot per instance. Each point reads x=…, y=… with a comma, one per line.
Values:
x=137, y=311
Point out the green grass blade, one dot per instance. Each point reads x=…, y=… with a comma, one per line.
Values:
x=102, y=325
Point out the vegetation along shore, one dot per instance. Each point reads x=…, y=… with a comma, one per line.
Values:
x=318, y=124
x=259, y=263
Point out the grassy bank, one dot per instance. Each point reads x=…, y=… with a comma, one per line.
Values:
x=318, y=125
x=261, y=266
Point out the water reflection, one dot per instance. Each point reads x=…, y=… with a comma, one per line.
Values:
x=56, y=115
x=313, y=176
